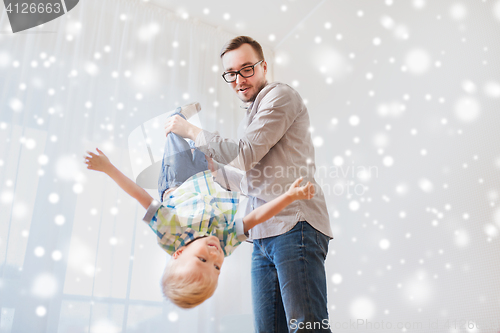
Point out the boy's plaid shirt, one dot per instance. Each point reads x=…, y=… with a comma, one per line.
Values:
x=194, y=210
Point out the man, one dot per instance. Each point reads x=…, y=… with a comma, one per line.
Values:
x=274, y=148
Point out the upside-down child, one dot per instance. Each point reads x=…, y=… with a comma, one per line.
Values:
x=194, y=223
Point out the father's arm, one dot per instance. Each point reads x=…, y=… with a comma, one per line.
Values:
x=226, y=176
x=277, y=110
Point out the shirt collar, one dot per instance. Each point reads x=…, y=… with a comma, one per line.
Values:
x=246, y=105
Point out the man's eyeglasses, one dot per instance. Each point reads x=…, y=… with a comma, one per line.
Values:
x=245, y=72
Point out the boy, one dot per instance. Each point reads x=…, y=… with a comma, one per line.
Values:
x=194, y=223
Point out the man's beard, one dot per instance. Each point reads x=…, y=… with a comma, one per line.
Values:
x=251, y=99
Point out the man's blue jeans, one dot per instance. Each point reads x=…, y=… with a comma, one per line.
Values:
x=289, y=281
x=179, y=163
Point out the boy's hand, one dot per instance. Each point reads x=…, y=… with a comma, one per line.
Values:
x=298, y=192
x=97, y=162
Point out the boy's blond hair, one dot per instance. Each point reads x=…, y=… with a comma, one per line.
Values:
x=186, y=290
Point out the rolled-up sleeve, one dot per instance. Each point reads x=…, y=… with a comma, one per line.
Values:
x=229, y=177
x=151, y=211
x=231, y=236
x=240, y=230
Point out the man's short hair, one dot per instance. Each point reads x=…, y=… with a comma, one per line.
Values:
x=236, y=42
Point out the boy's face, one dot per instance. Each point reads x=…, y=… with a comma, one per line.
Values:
x=204, y=255
x=245, y=88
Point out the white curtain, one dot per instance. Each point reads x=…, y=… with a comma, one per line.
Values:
x=74, y=254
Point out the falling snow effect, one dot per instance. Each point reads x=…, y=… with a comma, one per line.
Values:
x=467, y=109
x=403, y=101
x=384, y=244
x=418, y=61
x=362, y=307
x=67, y=168
x=44, y=286
x=492, y=89
x=418, y=290
x=496, y=10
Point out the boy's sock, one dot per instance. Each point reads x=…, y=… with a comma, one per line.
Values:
x=189, y=110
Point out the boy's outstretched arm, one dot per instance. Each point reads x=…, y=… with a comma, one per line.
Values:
x=273, y=207
x=101, y=163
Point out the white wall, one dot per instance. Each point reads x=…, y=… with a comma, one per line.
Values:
x=409, y=89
